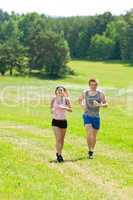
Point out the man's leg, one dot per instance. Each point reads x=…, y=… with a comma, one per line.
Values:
x=91, y=139
x=94, y=138
x=89, y=130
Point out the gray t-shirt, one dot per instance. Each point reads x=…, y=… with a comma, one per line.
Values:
x=90, y=108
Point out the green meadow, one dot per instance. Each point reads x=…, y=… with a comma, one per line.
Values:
x=28, y=170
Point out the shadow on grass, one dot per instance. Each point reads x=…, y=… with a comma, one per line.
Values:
x=125, y=63
x=37, y=75
x=43, y=76
x=71, y=160
x=54, y=76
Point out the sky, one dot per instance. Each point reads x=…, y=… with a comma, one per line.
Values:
x=67, y=7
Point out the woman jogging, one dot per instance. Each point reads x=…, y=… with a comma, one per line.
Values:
x=91, y=101
x=59, y=105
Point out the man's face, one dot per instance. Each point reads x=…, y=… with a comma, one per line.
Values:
x=93, y=85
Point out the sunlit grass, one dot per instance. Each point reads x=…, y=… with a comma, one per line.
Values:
x=27, y=166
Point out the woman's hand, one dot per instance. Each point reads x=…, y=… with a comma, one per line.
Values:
x=52, y=110
x=66, y=108
x=62, y=107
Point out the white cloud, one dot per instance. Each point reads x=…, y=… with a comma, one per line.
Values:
x=66, y=7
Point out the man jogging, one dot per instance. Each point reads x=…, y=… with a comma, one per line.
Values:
x=91, y=101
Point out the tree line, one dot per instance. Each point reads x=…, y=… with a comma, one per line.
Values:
x=35, y=41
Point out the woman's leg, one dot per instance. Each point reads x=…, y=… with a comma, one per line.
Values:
x=63, y=133
x=58, y=137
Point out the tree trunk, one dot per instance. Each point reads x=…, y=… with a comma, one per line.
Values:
x=11, y=71
x=2, y=73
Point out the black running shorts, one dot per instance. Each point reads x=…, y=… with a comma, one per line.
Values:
x=59, y=123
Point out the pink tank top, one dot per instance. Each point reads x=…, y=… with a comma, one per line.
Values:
x=58, y=112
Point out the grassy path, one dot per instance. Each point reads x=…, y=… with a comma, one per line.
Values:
x=28, y=170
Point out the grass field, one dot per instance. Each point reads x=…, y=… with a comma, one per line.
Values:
x=27, y=167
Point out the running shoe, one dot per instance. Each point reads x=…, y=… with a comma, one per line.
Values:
x=90, y=153
x=59, y=158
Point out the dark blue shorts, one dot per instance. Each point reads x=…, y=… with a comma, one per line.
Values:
x=94, y=121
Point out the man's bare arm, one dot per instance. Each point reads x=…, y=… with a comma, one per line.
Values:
x=104, y=102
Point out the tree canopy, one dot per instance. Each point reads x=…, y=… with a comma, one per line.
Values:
x=37, y=42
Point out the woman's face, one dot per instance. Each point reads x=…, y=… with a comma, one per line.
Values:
x=93, y=85
x=60, y=92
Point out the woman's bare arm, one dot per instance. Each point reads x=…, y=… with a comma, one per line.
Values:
x=81, y=100
x=69, y=105
x=51, y=104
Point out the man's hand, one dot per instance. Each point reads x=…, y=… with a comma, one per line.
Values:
x=96, y=104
